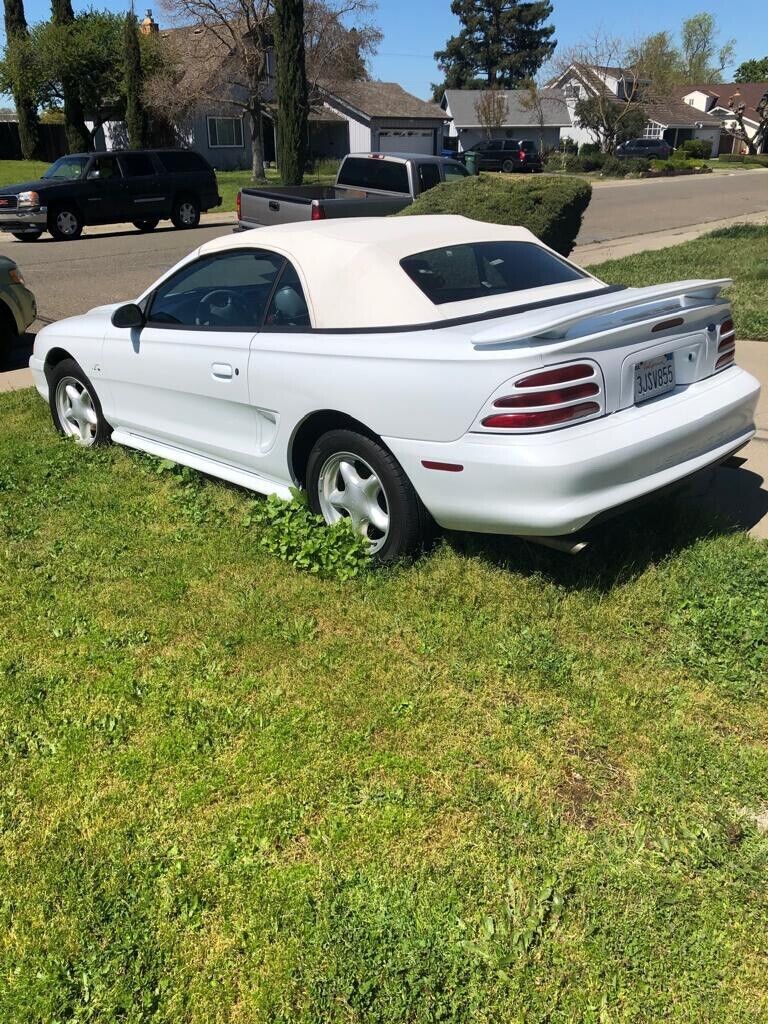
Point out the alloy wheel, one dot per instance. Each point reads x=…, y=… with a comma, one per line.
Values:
x=187, y=213
x=76, y=411
x=66, y=222
x=349, y=488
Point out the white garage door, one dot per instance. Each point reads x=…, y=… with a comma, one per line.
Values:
x=407, y=140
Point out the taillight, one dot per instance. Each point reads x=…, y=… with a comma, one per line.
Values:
x=239, y=205
x=726, y=349
x=318, y=213
x=548, y=398
x=521, y=155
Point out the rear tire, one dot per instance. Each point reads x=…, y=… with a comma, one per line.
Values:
x=146, y=225
x=28, y=236
x=353, y=476
x=186, y=212
x=65, y=223
x=508, y=166
x=75, y=406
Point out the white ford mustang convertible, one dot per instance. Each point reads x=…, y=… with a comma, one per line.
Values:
x=404, y=367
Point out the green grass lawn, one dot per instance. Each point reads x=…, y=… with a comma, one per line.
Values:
x=496, y=784
x=740, y=252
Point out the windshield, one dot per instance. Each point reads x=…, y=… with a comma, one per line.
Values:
x=68, y=168
x=474, y=270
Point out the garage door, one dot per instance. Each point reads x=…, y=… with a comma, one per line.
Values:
x=407, y=140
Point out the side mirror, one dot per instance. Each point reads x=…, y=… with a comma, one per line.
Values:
x=129, y=315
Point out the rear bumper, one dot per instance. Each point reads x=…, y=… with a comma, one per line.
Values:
x=21, y=221
x=556, y=483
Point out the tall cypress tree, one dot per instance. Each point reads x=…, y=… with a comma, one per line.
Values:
x=78, y=136
x=292, y=101
x=135, y=113
x=17, y=34
x=501, y=43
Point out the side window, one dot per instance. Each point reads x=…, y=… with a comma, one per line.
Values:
x=288, y=307
x=511, y=145
x=226, y=290
x=429, y=176
x=137, y=165
x=103, y=168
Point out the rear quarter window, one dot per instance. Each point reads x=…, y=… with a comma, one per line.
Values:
x=182, y=160
x=473, y=270
x=372, y=173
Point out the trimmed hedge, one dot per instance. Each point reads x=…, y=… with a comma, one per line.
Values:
x=758, y=160
x=697, y=149
x=551, y=208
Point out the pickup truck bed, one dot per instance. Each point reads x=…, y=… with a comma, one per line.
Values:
x=374, y=185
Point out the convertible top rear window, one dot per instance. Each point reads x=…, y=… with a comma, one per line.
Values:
x=475, y=269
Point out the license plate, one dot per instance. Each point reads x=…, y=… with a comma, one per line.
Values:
x=654, y=377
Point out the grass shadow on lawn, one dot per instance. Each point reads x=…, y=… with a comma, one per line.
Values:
x=621, y=548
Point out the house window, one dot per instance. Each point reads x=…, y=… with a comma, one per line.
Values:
x=572, y=91
x=652, y=131
x=225, y=132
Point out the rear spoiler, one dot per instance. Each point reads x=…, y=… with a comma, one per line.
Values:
x=551, y=324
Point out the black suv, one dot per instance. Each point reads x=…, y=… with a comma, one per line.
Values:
x=506, y=155
x=142, y=186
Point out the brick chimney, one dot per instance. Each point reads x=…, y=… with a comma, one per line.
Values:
x=149, y=25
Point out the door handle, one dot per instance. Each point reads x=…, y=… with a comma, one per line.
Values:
x=274, y=205
x=222, y=370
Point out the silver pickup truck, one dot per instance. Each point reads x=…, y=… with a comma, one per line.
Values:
x=367, y=185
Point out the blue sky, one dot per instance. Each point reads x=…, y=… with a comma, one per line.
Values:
x=414, y=29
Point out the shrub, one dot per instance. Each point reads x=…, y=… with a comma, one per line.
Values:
x=757, y=160
x=699, y=149
x=551, y=208
x=295, y=534
x=568, y=145
x=589, y=148
x=613, y=167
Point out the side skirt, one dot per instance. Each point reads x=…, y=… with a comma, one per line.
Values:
x=241, y=477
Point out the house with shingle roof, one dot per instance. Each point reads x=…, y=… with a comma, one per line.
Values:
x=345, y=116
x=716, y=100
x=539, y=120
x=670, y=117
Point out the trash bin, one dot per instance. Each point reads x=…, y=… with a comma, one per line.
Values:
x=470, y=159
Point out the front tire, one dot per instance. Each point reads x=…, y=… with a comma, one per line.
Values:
x=75, y=406
x=149, y=224
x=351, y=476
x=65, y=223
x=186, y=212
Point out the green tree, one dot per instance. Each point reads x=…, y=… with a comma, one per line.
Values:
x=78, y=137
x=755, y=70
x=135, y=114
x=292, y=102
x=610, y=121
x=703, y=57
x=501, y=43
x=657, y=59
x=16, y=78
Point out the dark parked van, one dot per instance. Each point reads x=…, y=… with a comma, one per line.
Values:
x=141, y=186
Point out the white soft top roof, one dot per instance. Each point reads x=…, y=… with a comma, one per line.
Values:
x=351, y=268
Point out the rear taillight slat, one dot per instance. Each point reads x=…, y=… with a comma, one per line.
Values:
x=726, y=349
x=560, y=396
x=543, y=418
